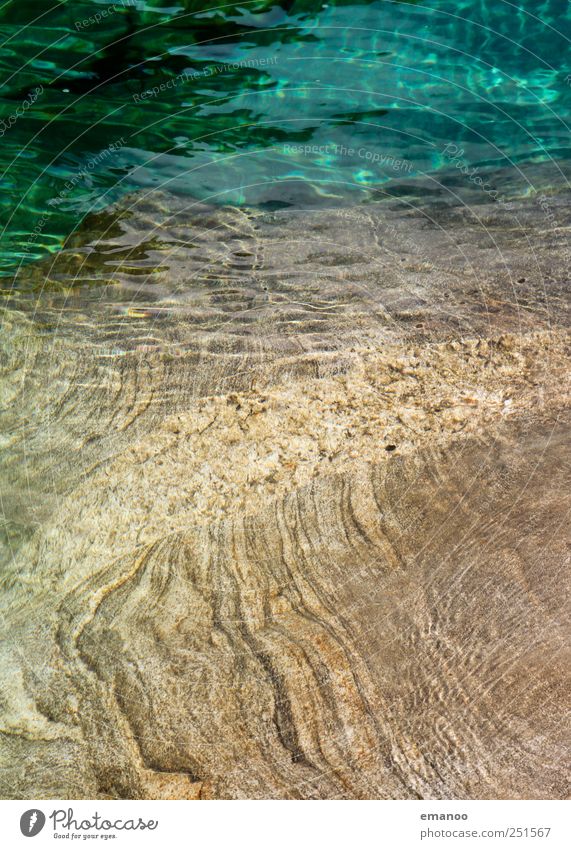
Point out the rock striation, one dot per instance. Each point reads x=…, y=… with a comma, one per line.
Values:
x=285, y=501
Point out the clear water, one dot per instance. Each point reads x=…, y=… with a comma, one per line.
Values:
x=270, y=104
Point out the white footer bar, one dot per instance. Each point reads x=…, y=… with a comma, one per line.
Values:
x=291, y=824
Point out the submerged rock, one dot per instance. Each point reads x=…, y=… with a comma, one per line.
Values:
x=287, y=513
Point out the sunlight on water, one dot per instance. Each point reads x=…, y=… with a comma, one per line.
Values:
x=257, y=103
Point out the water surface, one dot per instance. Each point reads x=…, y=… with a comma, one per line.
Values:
x=274, y=105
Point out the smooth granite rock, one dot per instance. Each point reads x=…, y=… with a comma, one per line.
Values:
x=285, y=501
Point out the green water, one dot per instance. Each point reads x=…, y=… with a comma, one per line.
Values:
x=274, y=105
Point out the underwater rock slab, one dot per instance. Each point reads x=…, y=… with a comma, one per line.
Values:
x=289, y=509
x=393, y=631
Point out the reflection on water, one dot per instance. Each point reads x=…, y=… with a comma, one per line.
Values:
x=300, y=103
x=282, y=398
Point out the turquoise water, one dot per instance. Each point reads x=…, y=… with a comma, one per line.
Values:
x=275, y=105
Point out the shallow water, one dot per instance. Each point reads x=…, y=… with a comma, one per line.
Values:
x=286, y=105
x=284, y=400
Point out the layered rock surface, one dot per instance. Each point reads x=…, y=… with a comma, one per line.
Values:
x=285, y=500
